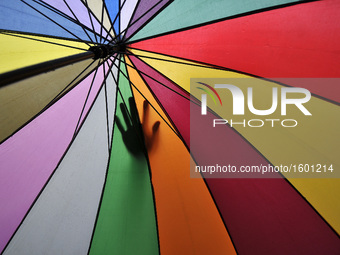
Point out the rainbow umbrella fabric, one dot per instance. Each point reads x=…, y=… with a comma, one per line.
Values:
x=96, y=143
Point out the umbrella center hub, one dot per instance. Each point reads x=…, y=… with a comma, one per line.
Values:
x=107, y=50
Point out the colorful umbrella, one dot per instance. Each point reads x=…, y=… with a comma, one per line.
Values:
x=96, y=141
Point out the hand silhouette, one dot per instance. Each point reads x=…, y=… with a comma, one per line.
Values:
x=133, y=134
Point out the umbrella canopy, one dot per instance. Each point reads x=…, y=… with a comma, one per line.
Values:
x=101, y=124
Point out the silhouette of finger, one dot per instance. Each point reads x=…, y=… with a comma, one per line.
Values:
x=133, y=108
x=155, y=127
x=125, y=115
x=119, y=125
x=145, y=111
x=145, y=105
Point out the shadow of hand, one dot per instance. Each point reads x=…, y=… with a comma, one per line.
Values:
x=133, y=133
x=149, y=136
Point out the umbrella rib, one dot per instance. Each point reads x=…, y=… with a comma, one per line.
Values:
x=82, y=26
x=42, y=35
x=105, y=10
x=77, y=22
x=87, y=97
x=162, y=84
x=88, y=11
x=55, y=10
x=254, y=12
x=131, y=16
x=153, y=16
x=92, y=15
x=113, y=22
x=10, y=77
x=79, y=125
x=130, y=24
x=134, y=22
x=65, y=89
x=56, y=23
x=101, y=27
x=74, y=20
x=204, y=65
x=192, y=62
x=91, y=20
x=120, y=16
x=106, y=102
x=39, y=40
x=54, y=100
x=107, y=113
x=151, y=105
x=144, y=14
